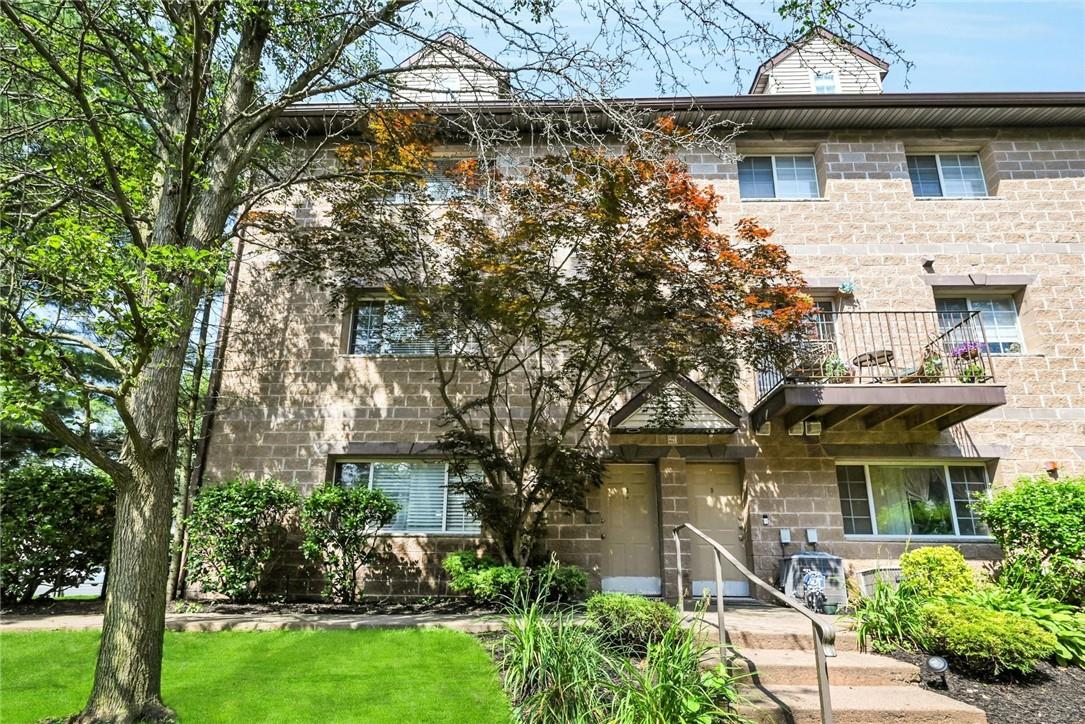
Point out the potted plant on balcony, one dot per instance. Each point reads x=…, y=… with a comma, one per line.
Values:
x=968, y=350
x=972, y=373
x=932, y=368
x=969, y=369
x=836, y=370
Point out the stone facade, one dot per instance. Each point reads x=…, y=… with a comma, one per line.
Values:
x=292, y=401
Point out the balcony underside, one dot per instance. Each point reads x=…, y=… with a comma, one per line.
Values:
x=876, y=405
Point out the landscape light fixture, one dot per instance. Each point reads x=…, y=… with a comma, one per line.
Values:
x=938, y=666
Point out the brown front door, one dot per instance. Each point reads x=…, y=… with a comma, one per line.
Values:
x=715, y=498
x=630, y=523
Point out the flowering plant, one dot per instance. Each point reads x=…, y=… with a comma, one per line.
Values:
x=968, y=350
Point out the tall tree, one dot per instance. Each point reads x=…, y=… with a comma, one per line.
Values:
x=135, y=129
x=549, y=293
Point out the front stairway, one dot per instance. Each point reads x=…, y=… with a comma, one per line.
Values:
x=773, y=652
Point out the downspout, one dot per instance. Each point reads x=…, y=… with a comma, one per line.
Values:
x=211, y=403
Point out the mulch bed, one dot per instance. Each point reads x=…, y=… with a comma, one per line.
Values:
x=1050, y=695
x=54, y=607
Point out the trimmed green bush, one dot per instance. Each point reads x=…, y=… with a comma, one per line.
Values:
x=340, y=527
x=234, y=530
x=1064, y=622
x=1040, y=525
x=985, y=641
x=486, y=581
x=889, y=618
x=630, y=623
x=57, y=528
x=936, y=571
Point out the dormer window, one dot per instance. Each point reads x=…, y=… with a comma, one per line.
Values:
x=825, y=82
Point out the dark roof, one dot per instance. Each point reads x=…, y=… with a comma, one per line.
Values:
x=701, y=394
x=764, y=112
x=825, y=34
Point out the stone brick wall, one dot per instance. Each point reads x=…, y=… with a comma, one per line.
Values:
x=290, y=399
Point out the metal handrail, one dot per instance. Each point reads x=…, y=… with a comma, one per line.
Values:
x=824, y=632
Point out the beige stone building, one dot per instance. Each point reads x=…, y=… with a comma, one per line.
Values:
x=943, y=237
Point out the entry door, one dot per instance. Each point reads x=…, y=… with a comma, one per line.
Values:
x=715, y=492
x=630, y=530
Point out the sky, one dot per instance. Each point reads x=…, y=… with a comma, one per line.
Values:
x=955, y=45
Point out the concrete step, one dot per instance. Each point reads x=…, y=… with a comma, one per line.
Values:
x=757, y=638
x=773, y=667
x=799, y=704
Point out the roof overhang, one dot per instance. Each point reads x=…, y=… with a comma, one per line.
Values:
x=757, y=112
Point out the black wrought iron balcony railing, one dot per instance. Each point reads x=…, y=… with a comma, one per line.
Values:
x=855, y=348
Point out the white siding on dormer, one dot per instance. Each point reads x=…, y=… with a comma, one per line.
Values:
x=465, y=81
x=701, y=416
x=795, y=73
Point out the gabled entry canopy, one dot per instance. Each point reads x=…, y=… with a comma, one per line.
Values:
x=675, y=403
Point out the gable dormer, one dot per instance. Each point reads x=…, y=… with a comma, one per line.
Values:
x=450, y=69
x=822, y=62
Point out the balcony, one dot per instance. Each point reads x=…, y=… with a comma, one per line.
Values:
x=919, y=368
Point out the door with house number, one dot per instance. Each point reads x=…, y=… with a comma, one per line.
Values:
x=715, y=499
x=630, y=530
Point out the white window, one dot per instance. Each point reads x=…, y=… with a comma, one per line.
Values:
x=384, y=327
x=946, y=174
x=911, y=500
x=426, y=505
x=825, y=82
x=998, y=314
x=777, y=177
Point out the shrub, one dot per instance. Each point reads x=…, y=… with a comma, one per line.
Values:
x=340, y=527
x=57, y=528
x=234, y=530
x=1040, y=525
x=985, y=641
x=889, y=618
x=1064, y=622
x=630, y=623
x=486, y=581
x=670, y=685
x=936, y=571
x=554, y=670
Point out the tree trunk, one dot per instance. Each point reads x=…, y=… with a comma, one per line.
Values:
x=127, y=680
x=187, y=482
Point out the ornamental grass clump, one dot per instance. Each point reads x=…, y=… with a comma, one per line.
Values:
x=889, y=618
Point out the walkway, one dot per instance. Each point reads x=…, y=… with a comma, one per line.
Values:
x=264, y=622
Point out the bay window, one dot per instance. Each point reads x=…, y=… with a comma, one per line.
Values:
x=911, y=500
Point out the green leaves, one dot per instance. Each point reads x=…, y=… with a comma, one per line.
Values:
x=58, y=527
x=235, y=529
x=340, y=526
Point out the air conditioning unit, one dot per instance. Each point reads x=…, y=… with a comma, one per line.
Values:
x=765, y=428
x=813, y=427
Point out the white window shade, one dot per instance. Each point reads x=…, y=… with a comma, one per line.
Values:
x=419, y=488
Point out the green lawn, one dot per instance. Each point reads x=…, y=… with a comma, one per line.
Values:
x=373, y=676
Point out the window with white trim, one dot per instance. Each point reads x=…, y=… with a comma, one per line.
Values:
x=946, y=174
x=777, y=177
x=426, y=505
x=998, y=314
x=825, y=82
x=911, y=500
x=385, y=327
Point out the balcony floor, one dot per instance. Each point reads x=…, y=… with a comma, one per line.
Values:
x=916, y=405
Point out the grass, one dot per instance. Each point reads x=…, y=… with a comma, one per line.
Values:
x=371, y=676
